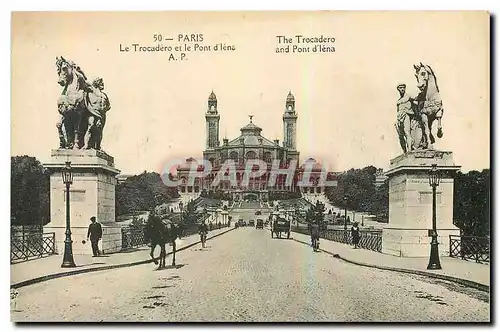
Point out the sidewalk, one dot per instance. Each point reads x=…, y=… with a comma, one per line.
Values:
x=49, y=267
x=452, y=268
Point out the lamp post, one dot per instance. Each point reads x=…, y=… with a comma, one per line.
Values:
x=67, y=177
x=180, y=209
x=434, y=179
x=345, y=212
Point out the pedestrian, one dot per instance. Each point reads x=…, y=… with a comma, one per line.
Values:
x=95, y=234
x=355, y=235
x=203, y=231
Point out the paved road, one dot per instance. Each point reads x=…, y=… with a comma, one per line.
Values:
x=249, y=214
x=245, y=276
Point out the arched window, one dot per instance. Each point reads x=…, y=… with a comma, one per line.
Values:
x=251, y=155
x=268, y=157
x=234, y=156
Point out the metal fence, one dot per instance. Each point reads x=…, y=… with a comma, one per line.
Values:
x=30, y=242
x=470, y=247
x=133, y=237
x=369, y=239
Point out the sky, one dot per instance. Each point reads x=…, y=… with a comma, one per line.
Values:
x=346, y=100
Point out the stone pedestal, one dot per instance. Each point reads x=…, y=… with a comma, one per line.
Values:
x=91, y=194
x=410, y=204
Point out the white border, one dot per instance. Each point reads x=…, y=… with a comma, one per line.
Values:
x=141, y=5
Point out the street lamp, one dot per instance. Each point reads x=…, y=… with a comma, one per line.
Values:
x=67, y=177
x=434, y=179
x=345, y=212
x=180, y=208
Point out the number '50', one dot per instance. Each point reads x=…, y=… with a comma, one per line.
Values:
x=157, y=38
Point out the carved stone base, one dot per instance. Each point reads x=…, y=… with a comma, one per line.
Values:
x=410, y=204
x=92, y=193
x=405, y=242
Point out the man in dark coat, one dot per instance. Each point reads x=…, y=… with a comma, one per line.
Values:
x=314, y=231
x=203, y=231
x=355, y=235
x=95, y=234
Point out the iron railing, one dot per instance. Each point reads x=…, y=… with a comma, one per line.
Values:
x=133, y=238
x=369, y=239
x=31, y=245
x=470, y=247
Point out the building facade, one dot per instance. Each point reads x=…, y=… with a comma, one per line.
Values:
x=249, y=145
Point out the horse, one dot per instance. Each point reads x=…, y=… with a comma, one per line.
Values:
x=160, y=234
x=429, y=101
x=71, y=105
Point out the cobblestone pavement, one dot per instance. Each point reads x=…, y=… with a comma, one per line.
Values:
x=245, y=276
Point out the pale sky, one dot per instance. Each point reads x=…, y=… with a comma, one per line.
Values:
x=346, y=101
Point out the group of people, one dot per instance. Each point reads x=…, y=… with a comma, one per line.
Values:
x=314, y=231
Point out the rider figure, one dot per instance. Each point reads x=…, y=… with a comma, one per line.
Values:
x=203, y=230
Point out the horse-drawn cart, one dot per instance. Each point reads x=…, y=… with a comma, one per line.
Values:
x=280, y=225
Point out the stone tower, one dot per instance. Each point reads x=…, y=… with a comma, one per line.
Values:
x=290, y=129
x=290, y=124
x=212, y=118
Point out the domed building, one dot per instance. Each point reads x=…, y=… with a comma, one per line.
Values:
x=249, y=145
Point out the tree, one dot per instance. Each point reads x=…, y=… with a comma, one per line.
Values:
x=358, y=185
x=471, y=208
x=30, y=192
x=142, y=193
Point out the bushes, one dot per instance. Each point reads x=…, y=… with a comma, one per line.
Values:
x=283, y=195
x=30, y=192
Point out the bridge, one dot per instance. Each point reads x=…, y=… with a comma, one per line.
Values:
x=244, y=275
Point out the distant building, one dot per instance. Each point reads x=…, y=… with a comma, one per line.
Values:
x=251, y=145
x=122, y=178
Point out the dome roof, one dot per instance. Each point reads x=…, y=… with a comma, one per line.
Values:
x=290, y=97
x=212, y=97
x=251, y=127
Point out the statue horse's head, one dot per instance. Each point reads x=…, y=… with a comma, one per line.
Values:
x=64, y=71
x=425, y=77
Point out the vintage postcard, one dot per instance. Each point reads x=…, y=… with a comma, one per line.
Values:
x=246, y=166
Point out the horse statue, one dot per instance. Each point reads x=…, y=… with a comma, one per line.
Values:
x=82, y=108
x=160, y=233
x=430, y=105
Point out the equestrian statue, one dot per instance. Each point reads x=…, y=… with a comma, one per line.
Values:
x=82, y=108
x=416, y=114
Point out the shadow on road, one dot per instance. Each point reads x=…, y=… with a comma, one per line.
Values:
x=170, y=267
x=95, y=263
x=135, y=249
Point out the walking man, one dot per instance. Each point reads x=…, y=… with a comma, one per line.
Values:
x=95, y=234
x=203, y=231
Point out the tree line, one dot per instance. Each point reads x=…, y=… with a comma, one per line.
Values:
x=142, y=192
x=30, y=195
x=471, y=204
x=30, y=192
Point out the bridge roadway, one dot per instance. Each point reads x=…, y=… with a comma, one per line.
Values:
x=245, y=276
